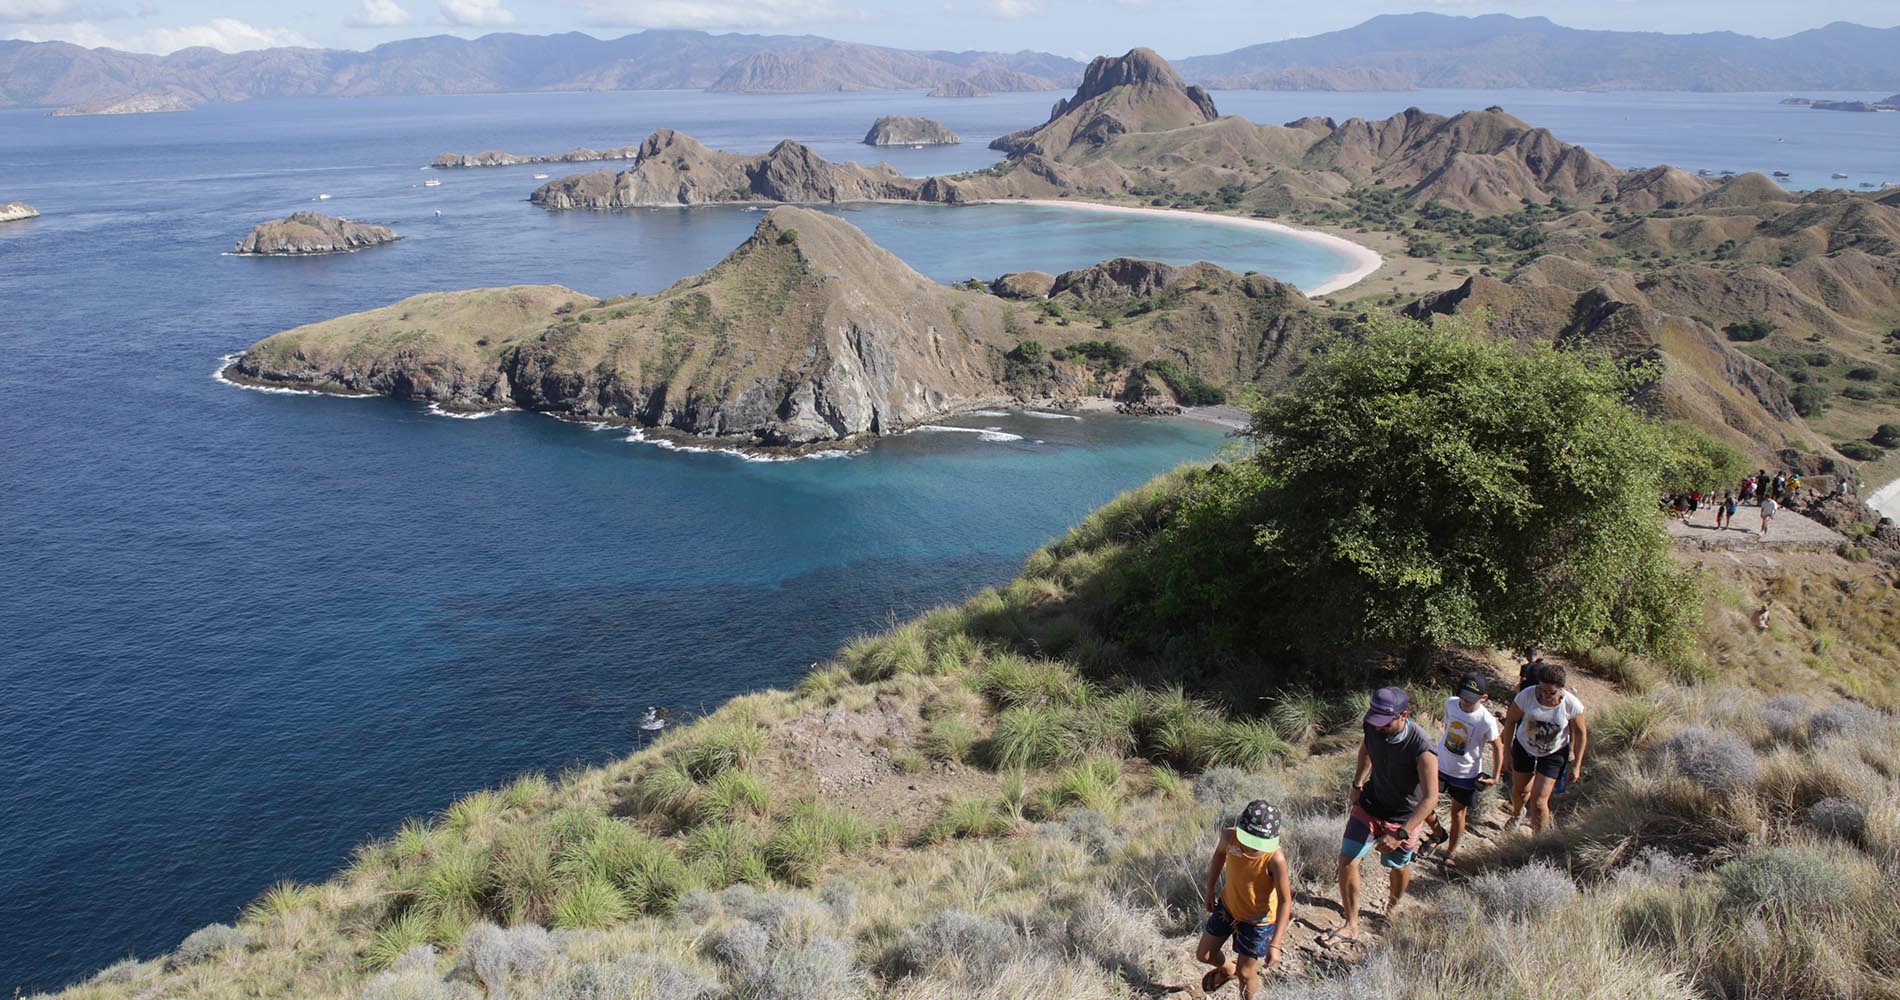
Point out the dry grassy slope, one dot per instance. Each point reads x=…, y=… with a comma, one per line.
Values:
x=1077, y=879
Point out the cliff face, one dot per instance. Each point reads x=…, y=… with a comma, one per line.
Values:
x=897, y=130
x=675, y=169
x=1137, y=92
x=312, y=233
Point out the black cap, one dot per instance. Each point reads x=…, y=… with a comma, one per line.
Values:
x=1259, y=826
x=1473, y=684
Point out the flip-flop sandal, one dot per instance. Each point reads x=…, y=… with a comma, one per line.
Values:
x=1331, y=939
x=1214, y=980
x=1448, y=863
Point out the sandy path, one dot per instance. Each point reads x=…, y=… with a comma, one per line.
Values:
x=1365, y=259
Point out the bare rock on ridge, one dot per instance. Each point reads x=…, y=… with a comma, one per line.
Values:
x=898, y=130
x=312, y=233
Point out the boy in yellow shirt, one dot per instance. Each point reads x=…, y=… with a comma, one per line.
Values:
x=1249, y=898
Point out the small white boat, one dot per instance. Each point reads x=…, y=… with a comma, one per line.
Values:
x=432, y=183
x=323, y=197
x=540, y=177
x=654, y=720
x=1840, y=177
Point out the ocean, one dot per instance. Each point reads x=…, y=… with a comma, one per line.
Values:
x=242, y=632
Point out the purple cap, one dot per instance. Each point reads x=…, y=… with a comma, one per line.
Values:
x=1387, y=704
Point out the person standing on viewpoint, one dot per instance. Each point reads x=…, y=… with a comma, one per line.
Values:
x=1548, y=736
x=1249, y=898
x=1394, y=788
x=1469, y=729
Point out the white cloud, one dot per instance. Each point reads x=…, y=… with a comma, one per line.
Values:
x=1010, y=8
x=226, y=34
x=476, y=13
x=36, y=10
x=222, y=33
x=379, y=14
x=706, y=13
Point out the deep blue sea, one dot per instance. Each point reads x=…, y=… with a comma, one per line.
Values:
x=242, y=632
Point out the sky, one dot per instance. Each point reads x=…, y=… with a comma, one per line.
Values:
x=1079, y=28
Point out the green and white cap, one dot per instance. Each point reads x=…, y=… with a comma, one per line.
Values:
x=1259, y=826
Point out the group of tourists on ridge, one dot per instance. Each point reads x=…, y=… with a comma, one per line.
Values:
x=1766, y=493
x=1393, y=810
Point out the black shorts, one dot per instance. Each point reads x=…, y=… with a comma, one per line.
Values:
x=1550, y=766
x=1463, y=791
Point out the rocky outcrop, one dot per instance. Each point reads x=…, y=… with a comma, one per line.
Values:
x=805, y=335
x=1024, y=285
x=305, y=233
x=674, y=169
x=897, y=130
x=958, y=88
x=14, y=211
x=136, y=104
x=1137, y=92
x=496, y=158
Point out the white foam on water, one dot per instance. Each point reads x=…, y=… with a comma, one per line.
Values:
x=985, y=433
x=436, y=408
x=638, y=436
x=987, y=413
x=217, y=375
x=1046, y=415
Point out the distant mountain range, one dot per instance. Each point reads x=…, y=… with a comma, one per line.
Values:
x=1390, y=52
x=1400, y=51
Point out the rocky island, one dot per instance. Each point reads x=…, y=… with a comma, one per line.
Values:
x=958, y=89
x=1884, y=104
x=14, y=211
x=136, y=104
x=898, y=130
x=307, y=233
x=497, y=158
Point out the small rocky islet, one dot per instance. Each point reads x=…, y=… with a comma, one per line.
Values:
x=899, y=130
x=304, y=234
x=497, y=158
x=17, y=211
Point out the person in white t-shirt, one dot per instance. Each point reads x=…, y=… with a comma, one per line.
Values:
x=1548, y=737
x=1469, y=729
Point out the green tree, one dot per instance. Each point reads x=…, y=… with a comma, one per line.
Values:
x=1427, y=485
x=1697, y=461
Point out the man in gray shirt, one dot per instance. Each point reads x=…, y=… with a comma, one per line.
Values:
x=1394, y=788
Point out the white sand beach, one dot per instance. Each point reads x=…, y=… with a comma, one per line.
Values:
x=1365, y=259
x=1886, y=500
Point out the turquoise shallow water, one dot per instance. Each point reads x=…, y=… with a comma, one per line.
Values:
x=240, y=632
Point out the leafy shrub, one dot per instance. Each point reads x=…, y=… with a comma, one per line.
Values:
x=1842, y=717
x=1838, y=817
x=962, y=947
x=1231, y=789
x=1863, y=374
x=787, y=237
x=842, y=897
x=1859, y=451
x=1531, y=891
x=1886, y=436
x=1750, y=330
x=205, y=942
x=493, y=954
x=1654, y=866
x=742, y=945
x=1785, y=716
x=633, y=977
x=1190, y=389
x=1809, y=400
x=1719, y=761
x=822, y=970
x=1783, y=876
x=1116, y=935
x=1087, y=828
